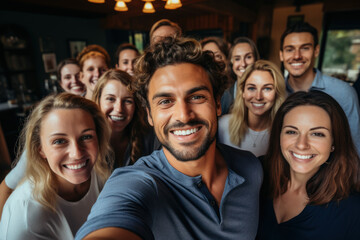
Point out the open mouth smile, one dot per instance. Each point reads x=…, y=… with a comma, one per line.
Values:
x=258, y=104
x=116, y=118
x=303, y=157
x=76, y=166
x=185, y=132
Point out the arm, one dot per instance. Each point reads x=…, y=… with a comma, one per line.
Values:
x=5, y=192
x=112, y=233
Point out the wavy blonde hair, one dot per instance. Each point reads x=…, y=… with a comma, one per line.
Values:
x=238, y=123
x=38, y=170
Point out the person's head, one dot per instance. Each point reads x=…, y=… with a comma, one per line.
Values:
x=310, y=137
x=216, y=45
x=94, y=61
x=65, y=137
x=68, y=73
x=259, y=94
x=299, y=48
x=181, y=86
x=125, y=56
x=164, y=28
x=242, y=53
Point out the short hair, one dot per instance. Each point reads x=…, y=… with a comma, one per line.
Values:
x=336, y=178
x=238, y=123
x=38, y=170
x=300, y=27
x=172, y=51
x=124, y=46
x=138, y=126
x=236, y=42
x=219, y=42
x=63, y=63
x=90, y=51
x=165, y=22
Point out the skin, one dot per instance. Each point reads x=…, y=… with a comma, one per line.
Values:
x=92, y=70
x=69, y=144
x=178, y=95
x=298, y=56
x=306, y=144
x=219, y=56
x=259, y=97
x=242, y=56
x=70, y=79
x=126, y=61
x=118, y=105
x=161, y=33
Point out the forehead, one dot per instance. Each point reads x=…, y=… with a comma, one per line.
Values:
x=242, y=48
x=260, y=77
x=178, y=79
x=70, y=68
x=95, y=60
x=300, y=38
x=309, y=116
x=115, y=87
x=211, y=46
x=127, y=53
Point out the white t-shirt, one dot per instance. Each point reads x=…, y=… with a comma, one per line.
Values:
x=25, y=218
x=17, y=173
x=255, y=142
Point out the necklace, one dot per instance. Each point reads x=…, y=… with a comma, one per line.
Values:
x=252, y=132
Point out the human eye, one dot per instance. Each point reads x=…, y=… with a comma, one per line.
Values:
x=67, y=77
x=236, y=59
x=268, y=89
x=318, y=134
x=197, y=98
x=251, y=88
x=110, y=99
x=129, y=101
x=289, y=132
x=250, y=56
x=164, y=102
x=289, y=50
x=86, y=137
x=58, y=141
x=126, y=62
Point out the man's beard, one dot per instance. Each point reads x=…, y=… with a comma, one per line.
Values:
x=193, y=153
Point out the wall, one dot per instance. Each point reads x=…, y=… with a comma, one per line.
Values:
x=60, y=29
x=313, y=14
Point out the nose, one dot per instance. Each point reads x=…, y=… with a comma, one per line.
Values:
x=302, y=142
x=76, y=150
x=297, y=54
x=118, y=106
x=259, y=95
x=97, y=72
x=183, y=112
x=243, y=63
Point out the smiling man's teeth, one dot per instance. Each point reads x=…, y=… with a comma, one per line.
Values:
x=296, y=64
x=302, y=156
x=258, y=104
x=76, y=166
x=185, y=132
x=117, y=118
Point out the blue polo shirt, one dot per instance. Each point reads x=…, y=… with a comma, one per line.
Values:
x=344, y=94
x=155, y=201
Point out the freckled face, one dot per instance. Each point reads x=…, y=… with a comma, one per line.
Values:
x=306, y=139
x=259, y=93
x=69, y=144
x=183, y=110
x=242, y=56
x=118, y=105
x=126, y=61
x=70, y=82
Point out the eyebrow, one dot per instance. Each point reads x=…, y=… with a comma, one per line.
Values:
x=311, y=129
x=303, y=45
x=63, y=134
x=188, y=92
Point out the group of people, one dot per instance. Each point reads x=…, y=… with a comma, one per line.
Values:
x=202, y=141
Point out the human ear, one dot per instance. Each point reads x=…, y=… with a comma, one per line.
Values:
x=149, y=117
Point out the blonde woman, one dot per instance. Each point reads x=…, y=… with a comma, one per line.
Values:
x=260, y=92
x=67, y=148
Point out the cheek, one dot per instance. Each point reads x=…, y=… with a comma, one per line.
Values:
x=271, y=97
x=130, y=110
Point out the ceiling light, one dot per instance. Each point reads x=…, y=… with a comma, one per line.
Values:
x=97, y=1
x=127, y=1
x=173, y=4
x=120, y=6
x=148, y=8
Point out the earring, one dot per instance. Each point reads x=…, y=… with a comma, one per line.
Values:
x=332, y=148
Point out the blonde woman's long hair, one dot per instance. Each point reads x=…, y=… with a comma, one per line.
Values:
x=38, y=170
x=238, y=123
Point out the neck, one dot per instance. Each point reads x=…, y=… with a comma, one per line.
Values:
x=88, y=94
x=298, y=181
x=303, y=82
x=258, y=123
x=73, y=192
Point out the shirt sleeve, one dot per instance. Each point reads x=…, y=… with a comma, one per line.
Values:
x=127, y=201
x=17, y=173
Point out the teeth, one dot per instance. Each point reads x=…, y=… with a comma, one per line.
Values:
x=302, y=156
x=296, y=64
x=76, y=166
x=116, y=118
x=185, y=132
x=258, y=104
x=242, y=70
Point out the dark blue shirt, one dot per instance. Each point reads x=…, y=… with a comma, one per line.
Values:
x=155, y=201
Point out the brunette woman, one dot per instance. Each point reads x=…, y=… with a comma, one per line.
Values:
x=125, y=56
x=68, y=72
x=312, y=172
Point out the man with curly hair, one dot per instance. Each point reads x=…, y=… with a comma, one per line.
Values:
x=193, y=188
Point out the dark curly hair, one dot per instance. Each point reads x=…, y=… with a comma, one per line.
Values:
x=174, y=51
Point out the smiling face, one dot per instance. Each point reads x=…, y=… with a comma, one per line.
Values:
x=183, y=110
x=69, y=144
x=118, y=105
x=212, y=47
x=242, y=56
x=299, y=53
x=92, y=70
x=306, y=139
x=70, y=82
x=126, y=61
x=259, y=93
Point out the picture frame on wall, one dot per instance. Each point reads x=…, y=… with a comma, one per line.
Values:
x=75, y=46
x=49, y=60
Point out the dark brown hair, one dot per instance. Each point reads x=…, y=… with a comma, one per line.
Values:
x=219, y=42
x=335, y=179
x=165, y=22
x=124, y=46
x=300, y=27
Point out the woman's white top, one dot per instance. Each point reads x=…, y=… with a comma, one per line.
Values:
x=25, y=218
x=253, y=141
